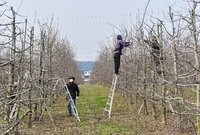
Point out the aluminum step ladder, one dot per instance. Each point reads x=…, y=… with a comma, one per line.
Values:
x=73, y=107
x=109, y=102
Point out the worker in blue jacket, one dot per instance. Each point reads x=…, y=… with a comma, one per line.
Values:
x=118, y=51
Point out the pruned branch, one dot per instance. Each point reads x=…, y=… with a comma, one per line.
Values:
x=5, y=64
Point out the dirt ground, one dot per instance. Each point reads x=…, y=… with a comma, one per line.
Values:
x=125, y=120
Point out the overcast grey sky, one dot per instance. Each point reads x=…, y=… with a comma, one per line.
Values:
x=85, y=21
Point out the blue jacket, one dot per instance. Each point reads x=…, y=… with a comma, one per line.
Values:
x=119, y=46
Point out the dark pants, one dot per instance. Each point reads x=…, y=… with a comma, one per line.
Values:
x=117, y=62
x=69, y=106
x=156, y=60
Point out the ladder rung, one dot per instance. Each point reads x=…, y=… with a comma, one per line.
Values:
x=108, y=103
x=106, y=110
x=110, y=94
x=111, y=91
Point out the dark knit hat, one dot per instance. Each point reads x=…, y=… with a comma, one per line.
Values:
x=119, y=37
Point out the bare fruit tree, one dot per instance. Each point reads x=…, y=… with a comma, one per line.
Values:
x=176, y=89
x=31, y=63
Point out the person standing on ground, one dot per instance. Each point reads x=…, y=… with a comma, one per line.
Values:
x=118, y=51
x=74, y=92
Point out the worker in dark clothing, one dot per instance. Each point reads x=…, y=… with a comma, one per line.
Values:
x=74, y=92
x=118, y=51
x=155, y=51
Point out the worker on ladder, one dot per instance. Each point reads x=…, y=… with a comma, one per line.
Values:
x=74, y=92
x=118, y=51
x=156, y=55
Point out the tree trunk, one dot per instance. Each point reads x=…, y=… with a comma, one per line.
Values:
x=164, y=110
x=137, y=86
x=144, y=80
x=11, y=69
x=197, y=65
x=30, y=73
